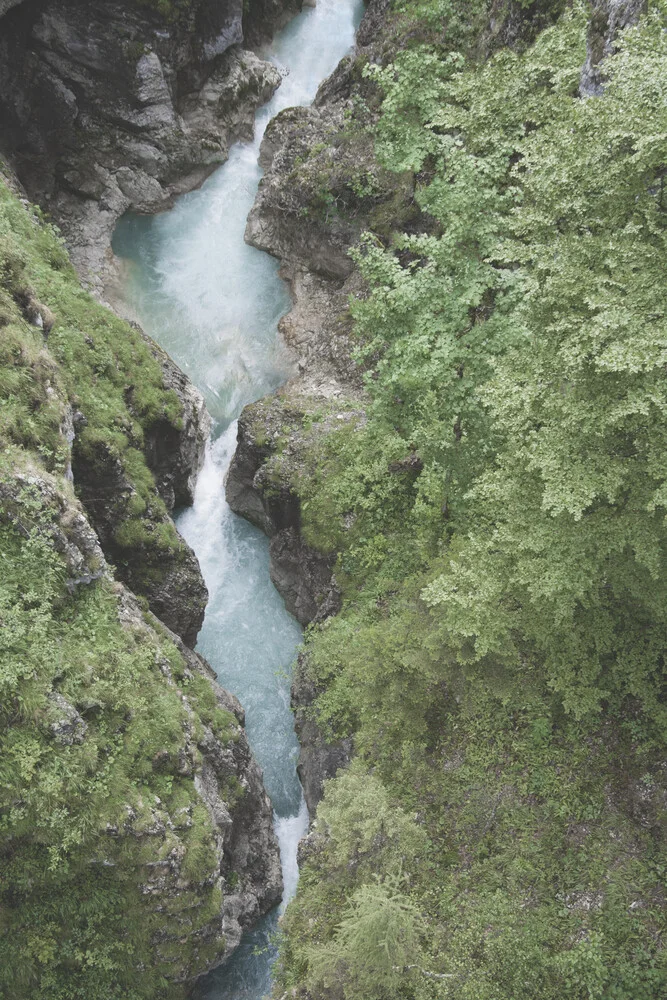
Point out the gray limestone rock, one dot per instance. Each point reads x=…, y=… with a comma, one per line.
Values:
x=111, y=106
x=67, y=727
x=303, y=578
x=608, y=17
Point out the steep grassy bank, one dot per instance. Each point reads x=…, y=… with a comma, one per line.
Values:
x=498, y=517
x=134, y=828
x=83, y=390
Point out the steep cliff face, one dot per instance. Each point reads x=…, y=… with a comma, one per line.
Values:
x=134, y=428
x=110, y=106
x=179, y=815
x=609, y=17
x=141, y=845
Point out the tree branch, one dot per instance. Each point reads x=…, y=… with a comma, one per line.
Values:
x=425, y=972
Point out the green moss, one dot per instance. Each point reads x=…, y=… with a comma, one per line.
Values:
x=499, y=659
x=86, y=817
x=201, y=862
x=90, y=359
x=202, y=695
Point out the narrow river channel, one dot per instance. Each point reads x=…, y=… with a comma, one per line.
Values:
x=214, y=304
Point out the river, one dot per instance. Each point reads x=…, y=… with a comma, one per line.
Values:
x=214, y=304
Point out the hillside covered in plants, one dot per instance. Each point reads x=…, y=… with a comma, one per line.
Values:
x=465, y=485
x=488, y=481
x=136, y=837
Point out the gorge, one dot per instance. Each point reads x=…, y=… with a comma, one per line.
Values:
x=386, y=281
x=213, y=302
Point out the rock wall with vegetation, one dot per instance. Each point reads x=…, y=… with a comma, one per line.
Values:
x=136, y=838
x=477, y=440
x=106, y=107
x=74, y=396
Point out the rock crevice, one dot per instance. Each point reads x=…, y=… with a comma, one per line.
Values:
x=106, y=107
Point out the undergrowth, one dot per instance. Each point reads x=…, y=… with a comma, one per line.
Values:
x=499, y=523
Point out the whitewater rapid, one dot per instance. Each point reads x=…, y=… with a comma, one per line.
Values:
x=214, y=304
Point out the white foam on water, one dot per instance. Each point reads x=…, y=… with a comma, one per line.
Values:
x=290, y=830
x=214, y=304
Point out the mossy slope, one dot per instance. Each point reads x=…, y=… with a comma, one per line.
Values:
x=127, y=790
x=71, y=369
x=498, y=521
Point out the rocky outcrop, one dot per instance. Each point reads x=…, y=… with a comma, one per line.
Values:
x=117, y=417
x=106, y=107
x=204, y=863
x=168, y=576
x=319, y=759
x=296, y=218
x=608, y=18
x=175, y=455
x=259, y=491
x=228, y=781
x=303, y=577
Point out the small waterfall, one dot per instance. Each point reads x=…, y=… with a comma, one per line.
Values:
x=214, y=304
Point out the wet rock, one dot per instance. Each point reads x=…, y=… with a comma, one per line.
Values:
x=303, y=578
x=68, y=727
x=262, y=18
x=177, y=596
x=106, y=107
x=277, y=222
x=309, y=213
x=608, y=18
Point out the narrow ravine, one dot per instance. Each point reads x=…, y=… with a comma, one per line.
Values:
x=214, y=304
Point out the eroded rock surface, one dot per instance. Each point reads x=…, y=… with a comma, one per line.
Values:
x=198, y=902
x=106, y=107
x=608, y=18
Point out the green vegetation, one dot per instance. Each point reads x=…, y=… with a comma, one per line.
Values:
x=83, y=809
x=99, y=715
x=82, y=354
x=499, y=519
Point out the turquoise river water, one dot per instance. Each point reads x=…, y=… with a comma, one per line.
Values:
x=214, y=304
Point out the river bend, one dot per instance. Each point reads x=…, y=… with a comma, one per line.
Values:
x=214, y=304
